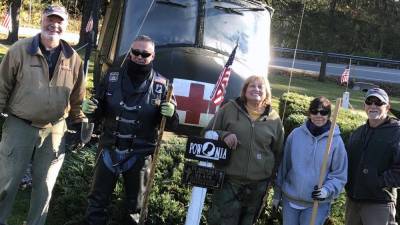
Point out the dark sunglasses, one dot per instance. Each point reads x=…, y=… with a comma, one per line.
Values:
x=375, y=102
x=136, y=52
x=323, y=112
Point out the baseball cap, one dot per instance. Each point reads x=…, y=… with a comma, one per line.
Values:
x=379, y=93
x=57, y=11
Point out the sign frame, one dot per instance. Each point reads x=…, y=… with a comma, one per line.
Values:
x=205, y=149
x=202, y=176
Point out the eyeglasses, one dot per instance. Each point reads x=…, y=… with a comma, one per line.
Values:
x=137, y=52
x=374, y=101
x=323, y=112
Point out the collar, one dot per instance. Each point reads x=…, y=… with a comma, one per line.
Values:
x=143, y=87
x=386, y=121
x=316, y=131
x=33, y=48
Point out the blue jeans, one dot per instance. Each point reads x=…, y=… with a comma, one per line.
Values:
x=292, y=216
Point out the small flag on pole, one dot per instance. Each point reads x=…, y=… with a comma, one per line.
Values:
x=7, y=21
x=217, y=95
x=344, y=78
x=89, y=25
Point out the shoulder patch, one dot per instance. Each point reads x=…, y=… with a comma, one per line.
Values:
x=158, y=88
x=160, y=80
x=113, y=76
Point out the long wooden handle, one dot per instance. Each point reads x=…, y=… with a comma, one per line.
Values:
x=149, y=183
x=326, y=157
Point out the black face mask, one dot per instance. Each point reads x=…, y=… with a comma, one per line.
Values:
x=138, y=72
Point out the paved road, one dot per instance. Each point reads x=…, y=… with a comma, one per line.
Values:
x=361, y=72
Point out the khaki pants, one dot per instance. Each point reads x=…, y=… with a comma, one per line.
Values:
x=358, y=213
x=19, y=144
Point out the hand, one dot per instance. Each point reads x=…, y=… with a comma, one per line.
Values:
x=167, y=109
x=89, y=106
x=210, y=134
x=319, y=194
x=231, y=141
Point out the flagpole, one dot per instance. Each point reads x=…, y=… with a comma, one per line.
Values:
x=347, y=84
x=346, y=94
x=198, y=195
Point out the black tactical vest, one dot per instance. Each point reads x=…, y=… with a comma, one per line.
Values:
x=132, y=114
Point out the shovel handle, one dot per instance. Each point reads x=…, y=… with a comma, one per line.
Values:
x=149, y=184
x=325, y=159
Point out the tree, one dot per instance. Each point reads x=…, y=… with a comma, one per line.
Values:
x=15, y=10
x=331, y=30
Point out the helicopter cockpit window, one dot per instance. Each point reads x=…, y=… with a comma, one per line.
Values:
x=227, y=22
x=165, y=21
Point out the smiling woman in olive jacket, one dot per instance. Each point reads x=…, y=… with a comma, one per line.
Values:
x=254, y=132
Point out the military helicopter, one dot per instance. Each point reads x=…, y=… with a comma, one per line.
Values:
x=193, y=41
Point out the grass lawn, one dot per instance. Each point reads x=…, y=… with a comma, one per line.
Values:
x=311, y=87
x=20, y=208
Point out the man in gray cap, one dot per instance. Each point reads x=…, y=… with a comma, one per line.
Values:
x=374, y=165
x=41, y=84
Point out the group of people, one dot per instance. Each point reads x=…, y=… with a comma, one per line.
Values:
x=368, y=166
x=42, y=83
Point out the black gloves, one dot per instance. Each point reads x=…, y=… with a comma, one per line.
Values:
x=319, y=194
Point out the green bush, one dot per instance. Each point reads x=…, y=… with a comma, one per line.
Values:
x=293, y=121
x=295, y=104
x=348, y=121
x=168, y=199
x=68, y=203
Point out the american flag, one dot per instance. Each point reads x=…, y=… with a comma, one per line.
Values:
x=89, y=25
x=7, y=21
x=344, y=78
x=217, y=95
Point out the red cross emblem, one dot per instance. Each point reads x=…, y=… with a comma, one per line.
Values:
x=194, y=104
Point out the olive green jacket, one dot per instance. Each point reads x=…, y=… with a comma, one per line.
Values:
x=260, y=142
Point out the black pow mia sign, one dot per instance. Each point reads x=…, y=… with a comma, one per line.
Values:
x=201, y=176
x=207, y=150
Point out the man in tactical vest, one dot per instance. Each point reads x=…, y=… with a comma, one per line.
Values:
x=130, y=101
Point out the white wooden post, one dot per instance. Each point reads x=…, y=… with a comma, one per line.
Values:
x=198, y=196
x=346, y=100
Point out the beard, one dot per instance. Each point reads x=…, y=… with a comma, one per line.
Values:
x=47, y=33
x=51, y=37
x=375, y=115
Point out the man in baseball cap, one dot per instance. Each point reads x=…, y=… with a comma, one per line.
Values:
x=373, y=152
x=379, y=93
x=50, y=87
